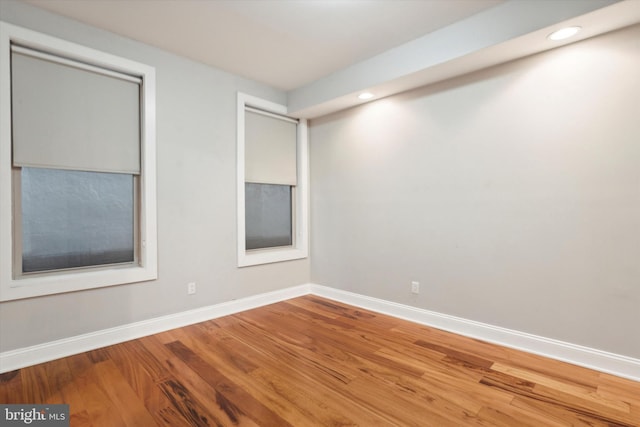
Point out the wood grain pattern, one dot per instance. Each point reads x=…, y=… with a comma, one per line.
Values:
x=310, y=361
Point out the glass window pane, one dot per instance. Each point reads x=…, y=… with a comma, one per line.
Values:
x=75, y=219
x=267, y=215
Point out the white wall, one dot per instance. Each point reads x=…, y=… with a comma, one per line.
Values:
x=196, y=146
x=511, y=194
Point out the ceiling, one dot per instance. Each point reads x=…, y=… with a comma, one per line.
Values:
x=283, y=43
x=324, y=52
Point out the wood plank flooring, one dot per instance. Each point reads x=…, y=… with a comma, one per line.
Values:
x=311, y=361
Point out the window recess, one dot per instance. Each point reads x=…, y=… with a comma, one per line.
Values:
x=272, y=183
x=76, y=148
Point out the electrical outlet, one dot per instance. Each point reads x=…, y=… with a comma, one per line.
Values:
x=415, y=287
x=191, y=288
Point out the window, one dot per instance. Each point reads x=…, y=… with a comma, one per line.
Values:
x=272, y=183
x=73, y=219
x=77, y=162
x=268, y=214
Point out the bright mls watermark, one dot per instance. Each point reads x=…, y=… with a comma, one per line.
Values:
x=34, y=415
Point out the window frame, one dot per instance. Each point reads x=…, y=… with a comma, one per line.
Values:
x=300, y=199
x=27, y=286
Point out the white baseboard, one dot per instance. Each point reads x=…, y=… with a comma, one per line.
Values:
x=622, y=366
x=28, y=356
x=615, y=364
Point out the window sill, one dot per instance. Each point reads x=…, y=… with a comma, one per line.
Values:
x=28, y=287
x=268, y=256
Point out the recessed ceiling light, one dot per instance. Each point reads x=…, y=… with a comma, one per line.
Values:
x=365, y=95
x=564, y=33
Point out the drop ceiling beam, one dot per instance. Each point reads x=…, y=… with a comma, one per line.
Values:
x=473, y=43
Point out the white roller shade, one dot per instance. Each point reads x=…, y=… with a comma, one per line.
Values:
x=270, y=149
x=68, y=117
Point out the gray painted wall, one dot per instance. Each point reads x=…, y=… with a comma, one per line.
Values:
x=196, y=162
x=511, y=194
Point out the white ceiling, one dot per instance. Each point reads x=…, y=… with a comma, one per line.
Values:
x=324, y=52
x=283, y=43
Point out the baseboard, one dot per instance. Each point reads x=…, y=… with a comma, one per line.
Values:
x=614, y=364
x=29, y=356
x=599, y=360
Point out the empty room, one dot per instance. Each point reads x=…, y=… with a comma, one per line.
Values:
x=319, y=213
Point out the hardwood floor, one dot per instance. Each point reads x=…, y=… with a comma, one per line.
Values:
x=314, y=362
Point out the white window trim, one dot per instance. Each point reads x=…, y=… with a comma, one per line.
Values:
x=300, y=249
x=26, y=287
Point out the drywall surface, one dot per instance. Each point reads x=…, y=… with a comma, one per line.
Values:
x=511, y=194
x=196, y=181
